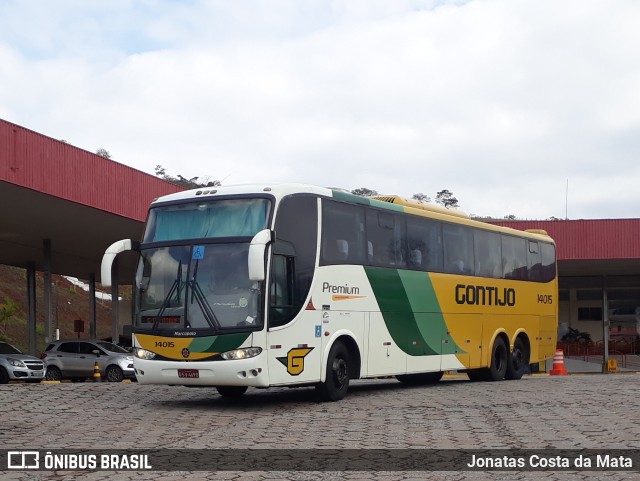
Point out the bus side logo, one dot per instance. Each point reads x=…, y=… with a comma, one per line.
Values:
x=295, y=360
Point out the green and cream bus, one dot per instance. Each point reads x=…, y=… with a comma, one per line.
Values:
x=296, y=285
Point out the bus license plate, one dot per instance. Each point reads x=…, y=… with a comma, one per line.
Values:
x=189, y=373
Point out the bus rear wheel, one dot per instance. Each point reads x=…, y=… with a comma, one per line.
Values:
x=422, y=378
x=498, y=368
x=231, y=391
x=336, y=384
x=518, y=360
x=499, y=360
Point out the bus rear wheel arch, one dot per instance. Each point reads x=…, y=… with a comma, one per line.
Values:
x=499, y=362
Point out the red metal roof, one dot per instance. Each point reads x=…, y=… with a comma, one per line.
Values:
x=588, y=239
x=37, y=162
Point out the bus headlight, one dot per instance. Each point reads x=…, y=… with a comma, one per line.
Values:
x=143, y=353
x=243, y=353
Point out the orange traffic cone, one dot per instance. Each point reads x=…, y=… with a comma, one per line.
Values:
x=558, y=364
x=96, y=373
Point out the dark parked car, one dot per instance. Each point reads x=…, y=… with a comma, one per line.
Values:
x=15, y=366
x=75, y=359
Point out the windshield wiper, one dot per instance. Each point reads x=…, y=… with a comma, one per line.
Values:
x=200, y=298
x=175, y=287
x=209, y=315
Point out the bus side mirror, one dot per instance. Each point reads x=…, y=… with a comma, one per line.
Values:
x=256, y=254
x=110, y=256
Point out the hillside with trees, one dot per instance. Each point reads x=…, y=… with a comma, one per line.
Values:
x=69, y=302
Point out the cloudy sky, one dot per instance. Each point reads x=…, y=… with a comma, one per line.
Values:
x=503, y=102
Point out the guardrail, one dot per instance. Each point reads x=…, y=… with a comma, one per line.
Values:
x=589, y=348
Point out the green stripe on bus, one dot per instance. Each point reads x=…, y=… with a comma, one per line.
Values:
x=427, y=311
x=411, y=311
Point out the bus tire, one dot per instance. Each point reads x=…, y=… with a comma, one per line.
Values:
x=422, y=378
x=336, y=385
x=231, y=391
x=518, y=360
x=499, y=360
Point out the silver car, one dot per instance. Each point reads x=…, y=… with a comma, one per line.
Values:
x=75, y=359
x=15, y=366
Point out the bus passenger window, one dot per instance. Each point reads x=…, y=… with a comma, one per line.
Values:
x=458, y=249
x=514, y=258
x=343, y=235
x=548, y=255
x=487, y=247
x=534, y=262
x=424, y=244
x=384, y=235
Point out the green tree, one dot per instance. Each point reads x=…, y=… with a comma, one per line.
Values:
x=364, y=192
x=420, y=197
x=510, y=217
x=103, y=153
x=8, y=309
x=192, y=183
x=446, y=199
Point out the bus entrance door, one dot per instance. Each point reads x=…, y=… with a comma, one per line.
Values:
x=295, y=350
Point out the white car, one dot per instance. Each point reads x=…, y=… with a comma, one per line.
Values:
x=15, y=366
x=76, y=359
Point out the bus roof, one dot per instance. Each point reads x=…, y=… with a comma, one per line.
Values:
x=277, y=190
x=391, y=202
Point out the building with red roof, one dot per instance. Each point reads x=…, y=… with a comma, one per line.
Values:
x=63, y=206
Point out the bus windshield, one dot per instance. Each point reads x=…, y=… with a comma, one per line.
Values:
x=204, y=286
x=207, y=219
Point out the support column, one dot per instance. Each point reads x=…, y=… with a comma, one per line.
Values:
x=93, y=331
x=48, y=305
x=605, y=325
x=31, y=302
x=115, y=305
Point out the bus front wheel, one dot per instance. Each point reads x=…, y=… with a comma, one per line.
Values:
x=336, y=383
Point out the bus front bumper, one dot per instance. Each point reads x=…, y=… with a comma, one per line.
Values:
x=242, y=372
